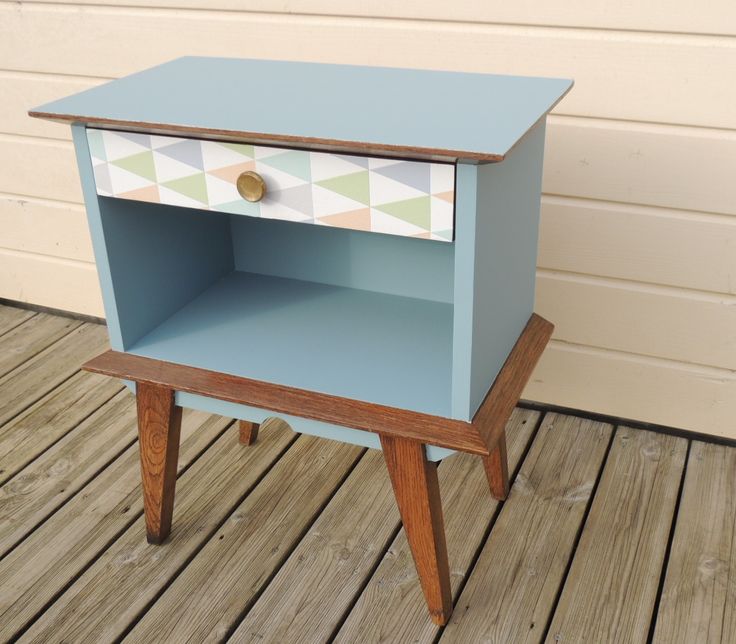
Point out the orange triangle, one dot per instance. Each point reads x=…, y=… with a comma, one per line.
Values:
x=446, y=196
x=149, y=193
x=231, y=173
x=423, y=236
x=359, y=219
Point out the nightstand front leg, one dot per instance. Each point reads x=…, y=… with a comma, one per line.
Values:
x=248, y=432
x=159, y=425
x=497, y=469
x=417, y=492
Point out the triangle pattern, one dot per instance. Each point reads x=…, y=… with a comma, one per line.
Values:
x=186, y=151
x=241, y=207
x=361, y=162
x=118, y=146
x=359, y=219
x=140, y=164
x=293, y=162
x=355, y=186
x=415, y=175
x=149, y=193
x=232, y=172
x=193, y=186
x=298, y=198
x=96, y=145
x=102, y=180
x=243, y=149
x=144, y=140
x=414, y=211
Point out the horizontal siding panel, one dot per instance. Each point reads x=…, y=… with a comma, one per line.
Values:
x=717, y=17
x=660, y=89
x=645, y=320
x=632, y=242
x=684, y=168
x=22, y=91
x=60, y=284
x=45, y=228
x=645, y=389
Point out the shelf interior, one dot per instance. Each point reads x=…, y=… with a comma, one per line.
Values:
x=376, y=347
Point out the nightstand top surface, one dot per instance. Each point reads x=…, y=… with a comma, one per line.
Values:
x=407, y=112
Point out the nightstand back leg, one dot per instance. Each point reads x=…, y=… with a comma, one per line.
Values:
x=497, y=469
x=417, y=492
x=248, y=432
x=159, y=426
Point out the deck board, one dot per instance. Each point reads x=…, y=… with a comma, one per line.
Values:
x=610, y=591
x=699, y=592
x=297, y=539
x=392, y=604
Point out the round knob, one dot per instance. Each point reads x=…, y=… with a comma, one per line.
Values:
x=251, y=186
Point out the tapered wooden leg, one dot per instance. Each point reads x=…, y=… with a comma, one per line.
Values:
x=248, y=432
x=159, y=425
x=417, y=491
x=497, y=469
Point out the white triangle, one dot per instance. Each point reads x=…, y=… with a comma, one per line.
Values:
x=329, y=166
x=168, y=169
x=263, y=152
x=215, y=155
x=219, y=191
x=124, y=181
x=279, y=211
x=158, y=141
x=276, y=179
x=118, y=147
x=440, y=214
x=385, y=190
x=174, y=198
x=327, y=202
x=384, y=223
x=441, y=177
x=377, y=162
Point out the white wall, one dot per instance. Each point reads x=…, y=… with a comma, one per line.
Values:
x=637, y=262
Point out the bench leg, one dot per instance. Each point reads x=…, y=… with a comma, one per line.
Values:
x=248, y=432
x=497, y=469
x=417, y=492
x=159, y=425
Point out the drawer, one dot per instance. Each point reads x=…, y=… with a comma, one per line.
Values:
x=380, y=195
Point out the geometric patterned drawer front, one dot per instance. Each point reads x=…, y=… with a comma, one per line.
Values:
x=382, y=195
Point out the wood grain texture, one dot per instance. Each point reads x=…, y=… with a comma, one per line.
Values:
x=248, y=432
x=72, y=538
x=513, y=590
x=699, y=595
x=497, y=469
x=417, y=492
x=11, y=317
x=319, y=583
x=235, y=564
x=392, y=606
x=477, y=437
x=32, y=337
x=611, y=589
x=37, y=376
x=60, y=471
x=159, y=428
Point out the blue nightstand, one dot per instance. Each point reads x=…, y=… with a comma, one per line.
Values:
x=352, y=249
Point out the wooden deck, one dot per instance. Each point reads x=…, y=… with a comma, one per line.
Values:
x=610, y=534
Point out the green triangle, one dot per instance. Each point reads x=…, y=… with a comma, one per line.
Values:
x=241, y=148
x=193, y=186
x=294, y=162
x=416, y=211
x=140, y=164
x=239, y=207
x=353, y=185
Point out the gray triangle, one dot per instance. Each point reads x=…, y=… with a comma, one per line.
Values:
x=102, y=178
x=298, y=198
x=415, y=175
x=186, y=151
x=136, y=137
x=361, y=162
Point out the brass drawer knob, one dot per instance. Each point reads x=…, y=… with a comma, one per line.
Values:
x=251, y=186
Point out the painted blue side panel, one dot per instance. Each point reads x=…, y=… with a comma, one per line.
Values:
x=493, y=304
x=384, y=263
x=160, y=258
x=94, y=220
x=358, y=344
x=481, y=113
